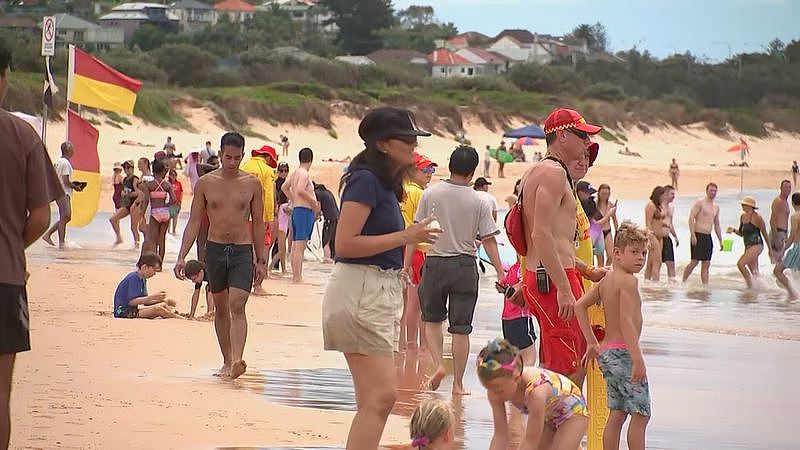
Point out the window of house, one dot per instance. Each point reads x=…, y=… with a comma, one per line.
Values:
x=442, y=70
x=463, y=70
x=471, y=71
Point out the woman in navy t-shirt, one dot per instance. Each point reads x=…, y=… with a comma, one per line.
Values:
x=363, y=301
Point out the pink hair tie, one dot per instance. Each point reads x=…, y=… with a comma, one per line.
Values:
x=420, y=441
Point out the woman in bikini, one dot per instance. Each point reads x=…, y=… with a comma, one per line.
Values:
x=556, y=410
x=127, y=198
x=751, y=229
x=654, y=218
x=116, y=183
x=138, y=208
x=607, y=209
x=158, y=195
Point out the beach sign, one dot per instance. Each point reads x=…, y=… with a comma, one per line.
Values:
x=48, y=36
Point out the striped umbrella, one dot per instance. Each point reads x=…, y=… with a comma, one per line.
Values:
x=526, y=141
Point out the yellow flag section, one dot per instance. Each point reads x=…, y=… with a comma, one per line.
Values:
x=85, y=168
x=595, y=383
x=93, y=83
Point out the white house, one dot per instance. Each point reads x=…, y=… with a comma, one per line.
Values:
x=446, y=64
x=74, y=30
x=309, y=11
x=130, y=16
x=488, y=62
x=193, y=16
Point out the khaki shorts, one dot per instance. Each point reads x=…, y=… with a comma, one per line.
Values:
x=361, y=310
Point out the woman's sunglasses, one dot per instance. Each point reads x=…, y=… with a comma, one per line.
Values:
x=430, y=170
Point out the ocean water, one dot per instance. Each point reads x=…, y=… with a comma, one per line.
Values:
x=721, y=360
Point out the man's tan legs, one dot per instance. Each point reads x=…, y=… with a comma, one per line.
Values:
x=6, y=369
x=237, y=300
x=375, y=386
x=298, y=251
x=222, y=325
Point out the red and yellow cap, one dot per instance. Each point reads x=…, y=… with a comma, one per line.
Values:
x=564, y=119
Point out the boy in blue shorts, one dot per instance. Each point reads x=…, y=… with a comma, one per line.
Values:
x=620, y=357
x=131, y=293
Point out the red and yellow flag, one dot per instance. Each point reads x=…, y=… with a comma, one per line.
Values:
x=85, y=168
x=94, y=83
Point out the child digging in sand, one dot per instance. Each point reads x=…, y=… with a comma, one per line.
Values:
x=432, y=426
x=620, y=357
x=195, y=271
x=131, y=300
x=556, y=409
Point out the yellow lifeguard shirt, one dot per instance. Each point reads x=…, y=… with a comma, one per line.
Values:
x=409, y=205
x=266, y=175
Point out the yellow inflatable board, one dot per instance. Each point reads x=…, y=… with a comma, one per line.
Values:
x=596, y=390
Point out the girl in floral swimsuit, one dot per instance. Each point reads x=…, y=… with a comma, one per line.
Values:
x=556, y=409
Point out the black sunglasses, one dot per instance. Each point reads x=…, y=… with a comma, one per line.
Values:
x=581, y=134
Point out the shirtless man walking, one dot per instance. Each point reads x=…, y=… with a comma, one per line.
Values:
x=230, y=197
x=300, y=190
x=667, y=250
x=779, y=222
x=551, y=283
x=703, y=217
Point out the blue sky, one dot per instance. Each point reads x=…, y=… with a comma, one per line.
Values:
x=704, y=27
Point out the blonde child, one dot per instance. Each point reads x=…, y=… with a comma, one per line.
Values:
x=556, y=409
x=620, y=357
x=432, y=426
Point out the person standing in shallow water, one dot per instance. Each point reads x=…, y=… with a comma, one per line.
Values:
x=230, y=196
x=751, y=229
x=674, y=173
x=703, y=217
x=363, y=300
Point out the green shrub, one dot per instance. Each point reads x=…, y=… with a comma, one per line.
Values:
x=185, y=64
x=605, y=91
x=743, y=121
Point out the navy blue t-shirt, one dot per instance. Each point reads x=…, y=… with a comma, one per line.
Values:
x=131, y=287
x=363, y=186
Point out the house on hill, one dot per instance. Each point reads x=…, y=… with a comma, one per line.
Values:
x=193, y=16
x=309, y=11
x=239, y=11
x=20, y=24
x=397, y=55
x=488, y=62
x=85, y=34
x=130, y=16
x=521, y=46
x=446, y=64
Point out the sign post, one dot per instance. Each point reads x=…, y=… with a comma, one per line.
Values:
x=48, y=50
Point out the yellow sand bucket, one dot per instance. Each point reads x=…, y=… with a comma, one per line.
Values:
x=727, y=245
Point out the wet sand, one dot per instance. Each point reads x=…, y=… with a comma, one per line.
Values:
x=92, y=380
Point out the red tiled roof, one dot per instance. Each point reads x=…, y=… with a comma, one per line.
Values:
x=444, y=57
x=235, y=5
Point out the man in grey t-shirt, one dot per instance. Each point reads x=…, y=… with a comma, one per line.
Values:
x=449, y=285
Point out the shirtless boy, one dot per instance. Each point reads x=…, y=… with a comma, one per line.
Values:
x=231, y=197
x=305, y=208
x=550, y=224
x=620, y=357
x=703, y=217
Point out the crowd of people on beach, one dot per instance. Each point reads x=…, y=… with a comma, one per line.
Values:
x=405, y=263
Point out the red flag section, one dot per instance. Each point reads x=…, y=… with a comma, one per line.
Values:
x=86, y=168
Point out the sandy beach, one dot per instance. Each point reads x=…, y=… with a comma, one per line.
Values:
x=95, y=382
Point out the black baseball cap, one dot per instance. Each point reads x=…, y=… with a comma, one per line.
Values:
x=283, y=165
x=584, y=186
x=387, y=122
x=480, y=181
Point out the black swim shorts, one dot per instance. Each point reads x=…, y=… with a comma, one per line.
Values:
x=229, y=266
x=667, y=252
x=703, y=249
x=519, y=332
x=14, y=328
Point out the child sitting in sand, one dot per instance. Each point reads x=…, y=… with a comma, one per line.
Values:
x=432, y=425
x=620, y=357
x=517, y=320
x=131, y=300
x=195, y=271
x=556, y=409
